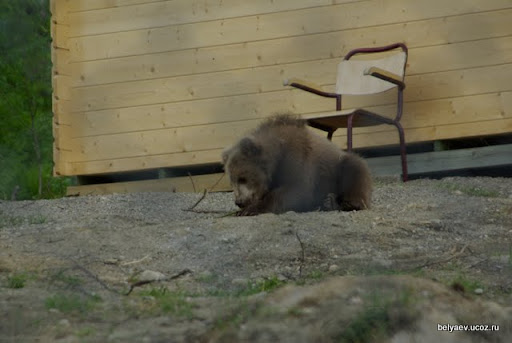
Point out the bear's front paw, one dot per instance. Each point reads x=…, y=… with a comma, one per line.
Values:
x=331, y=203
x=248, y=211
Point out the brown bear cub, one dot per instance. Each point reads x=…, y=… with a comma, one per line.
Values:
x=283, y=166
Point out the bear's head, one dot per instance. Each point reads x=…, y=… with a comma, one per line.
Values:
x=246, y=167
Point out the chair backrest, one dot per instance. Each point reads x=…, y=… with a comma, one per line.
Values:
x=352, y=79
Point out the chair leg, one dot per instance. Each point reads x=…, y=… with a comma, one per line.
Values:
x=349, y=132
x=329, y=135
x=403, y=151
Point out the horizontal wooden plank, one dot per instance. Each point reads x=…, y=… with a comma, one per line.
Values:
x=254, y=106
x=88, y=5
x=496, y=155
x=165, y=13
x=61, y=113
x=270, y=26
x=422, y=33
x=59, y=10
x=266, y=79
x=61, y=88
x=60, y=61
x=460, y=110
x=61, y=135
x=60, y=167
x=60, y=36
x=142, y=162
x=213, y=156
x=198, y=183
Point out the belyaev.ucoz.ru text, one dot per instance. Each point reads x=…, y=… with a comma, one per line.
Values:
x=475, y=327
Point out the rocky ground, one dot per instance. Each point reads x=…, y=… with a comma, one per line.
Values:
x=428, y=257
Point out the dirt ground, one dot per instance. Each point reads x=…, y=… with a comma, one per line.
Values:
x=430, y=257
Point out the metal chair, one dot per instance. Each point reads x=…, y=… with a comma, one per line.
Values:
x=362, y=77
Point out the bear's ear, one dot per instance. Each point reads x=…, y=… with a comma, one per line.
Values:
x=250, y=148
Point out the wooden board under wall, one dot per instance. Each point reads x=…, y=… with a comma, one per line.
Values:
x=437, y=161
x=212, y=183
x=442, y=161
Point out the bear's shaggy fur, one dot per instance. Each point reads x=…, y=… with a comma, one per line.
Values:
x=282, y=166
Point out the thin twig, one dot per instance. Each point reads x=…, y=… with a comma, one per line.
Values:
x=192, y=180
x=448, y=259
x=96, y=278
x=134, y=262
x=145, y=282
x=216, y=183
x=198, y=201
x=303, y=254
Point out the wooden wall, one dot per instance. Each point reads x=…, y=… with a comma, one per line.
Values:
x=149, y=83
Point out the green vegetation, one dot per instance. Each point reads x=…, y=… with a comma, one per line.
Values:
x=472, y=191
x=26, y=102
x=71, y=303
x=466, y=284
x=85, y=332
x=267, y=285
x=9, y=221
x=6, y=220
x=236, y=317
x=382, y=315
x=66, y=280
x=170, y=302
x=316, y=275
x=244, y=290
x=17, y=281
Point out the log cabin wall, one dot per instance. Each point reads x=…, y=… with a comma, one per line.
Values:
x=143, y=84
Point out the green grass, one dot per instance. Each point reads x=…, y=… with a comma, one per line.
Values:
x=67, y=280
x=37, y=220
x=468, y=284
x=380, y=317
x=170, y=302
x=85, y=332
x=17, y=281
x=316, y=275
x=71, y=303
x=250, y=288
x=266, y=285
x=10, y=221
x=237, y=317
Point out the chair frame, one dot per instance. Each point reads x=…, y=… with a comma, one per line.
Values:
x=376, y=72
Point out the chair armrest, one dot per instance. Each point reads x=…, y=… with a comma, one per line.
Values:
x=308, y=87
x=386, y=76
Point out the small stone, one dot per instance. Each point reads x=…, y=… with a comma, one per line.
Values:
x=478, y=291
x=355, y=300
x=148, y=276
x=113, y=261
x=333, y=268
x=240, y=282
x=64, y=323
